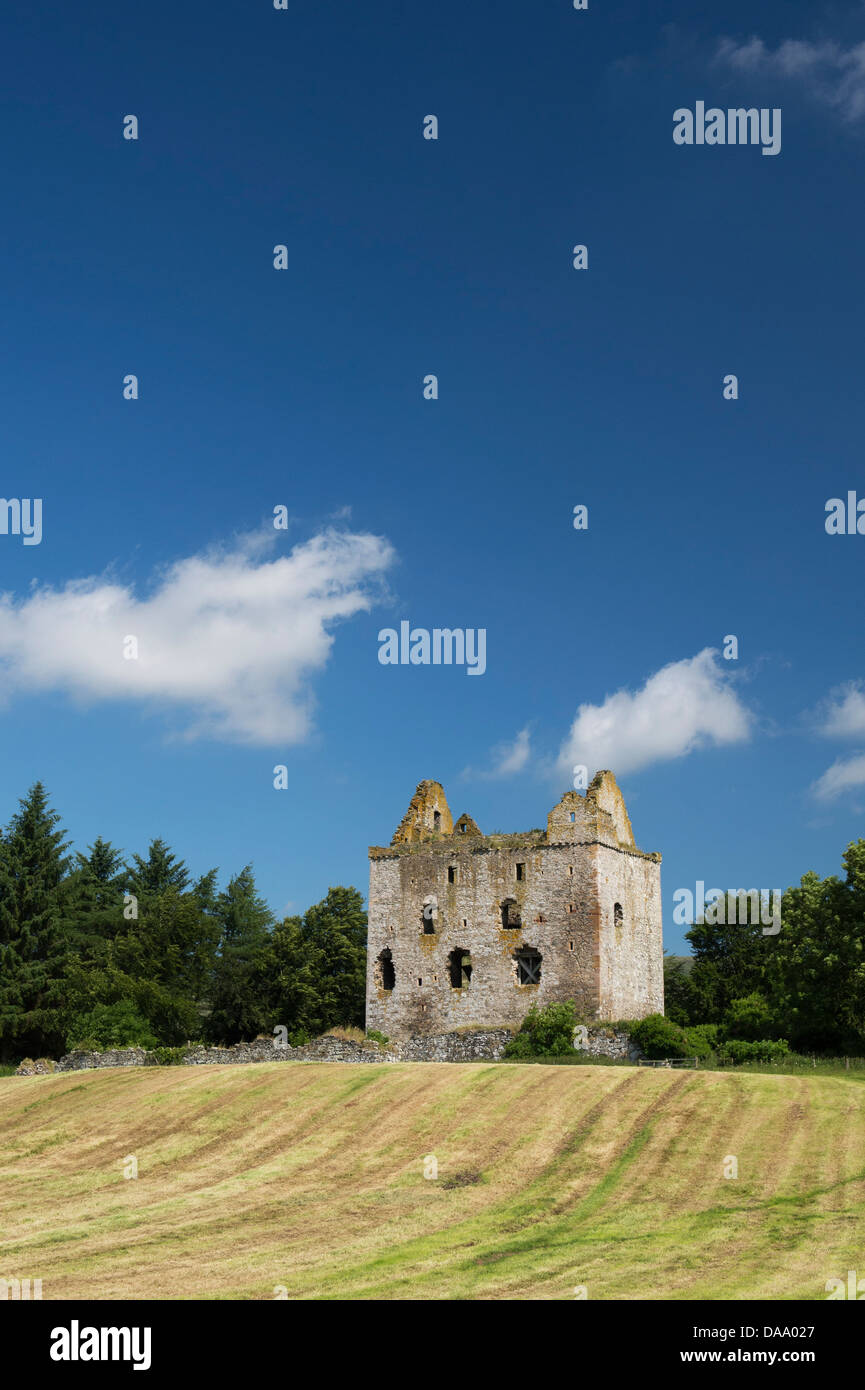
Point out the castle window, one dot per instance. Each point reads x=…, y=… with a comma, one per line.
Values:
x=420, y=981
x=460, y=968
x=618, y=915
x=572, y=816
x=570, y=945
x=385, y=975
x=428, y=916
x=511, y=920
x=528, y=963
x=521, y=872
x=452, y=874
x=437, y=820
x=571, y=870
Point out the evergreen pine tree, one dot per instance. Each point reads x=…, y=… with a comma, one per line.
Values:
x=240, y=1005
x=32, y=947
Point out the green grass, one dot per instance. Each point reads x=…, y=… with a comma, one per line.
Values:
x=311, y=1177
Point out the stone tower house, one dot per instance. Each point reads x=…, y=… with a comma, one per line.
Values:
x=470, y=929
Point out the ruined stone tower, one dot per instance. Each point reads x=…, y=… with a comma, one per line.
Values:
x=470, y=929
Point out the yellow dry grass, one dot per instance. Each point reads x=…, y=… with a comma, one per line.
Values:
x=308, y=1178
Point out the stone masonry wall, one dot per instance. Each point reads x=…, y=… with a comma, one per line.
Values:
x=631, y=954
x=482, y=1045
x=436, y=897
x=555, y=898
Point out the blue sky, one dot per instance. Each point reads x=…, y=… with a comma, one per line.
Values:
x=302, y=388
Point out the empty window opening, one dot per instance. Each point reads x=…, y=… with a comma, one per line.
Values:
x=570, y=945
x=528, y=962
x=385, y=975
x=428, y=916
x=618, y=915
x=420, y=981
x=452, y=874
x=571, y=870
x=511, y=919
x=463, y=828
x=571, y=907
x=465, y=923
x=572, y=816
x=521, y=872
x=437, y=820
x=460, y=968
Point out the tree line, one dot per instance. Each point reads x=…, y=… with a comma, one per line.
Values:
x=96, y=949
x=805, y=984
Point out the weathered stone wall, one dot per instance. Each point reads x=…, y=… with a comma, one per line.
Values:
x=609, y=1042
x=440, y=894
x=114, y=1057
x=631, y=952
x=481, y=1045
x=555, y=908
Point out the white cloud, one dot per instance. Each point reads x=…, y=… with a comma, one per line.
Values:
x=508, y=758
x=227, y=640
x=843, y=715
x=829, y=72
x=844, y=775
x=686, y=705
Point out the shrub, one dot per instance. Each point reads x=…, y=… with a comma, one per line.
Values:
x=657, y=1036
x=547, y=1032
x=168, y=1056
x=111, y=1025
x=375, y=1036
x=702, y=1040
x=749, y=1017
x=738, y=1050
x=86, y=1045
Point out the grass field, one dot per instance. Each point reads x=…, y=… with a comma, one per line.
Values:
x=309, y=1177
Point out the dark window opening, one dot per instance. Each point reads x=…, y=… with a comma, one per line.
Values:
x=460, y=968
x=385, y=975
x=618, y=915
x=521, y=872
x=437, y=820
x=428, y=916
x=570, y=945
x=528, y=966
x=420, y=981
x=511, y=919
x=452, y=874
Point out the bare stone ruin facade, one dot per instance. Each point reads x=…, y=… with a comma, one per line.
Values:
x=468, y=930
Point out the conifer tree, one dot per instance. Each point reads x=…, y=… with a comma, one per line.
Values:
x=240, y=1004
x=32, y=947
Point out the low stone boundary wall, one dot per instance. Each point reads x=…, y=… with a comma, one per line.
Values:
x=481, y=1045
